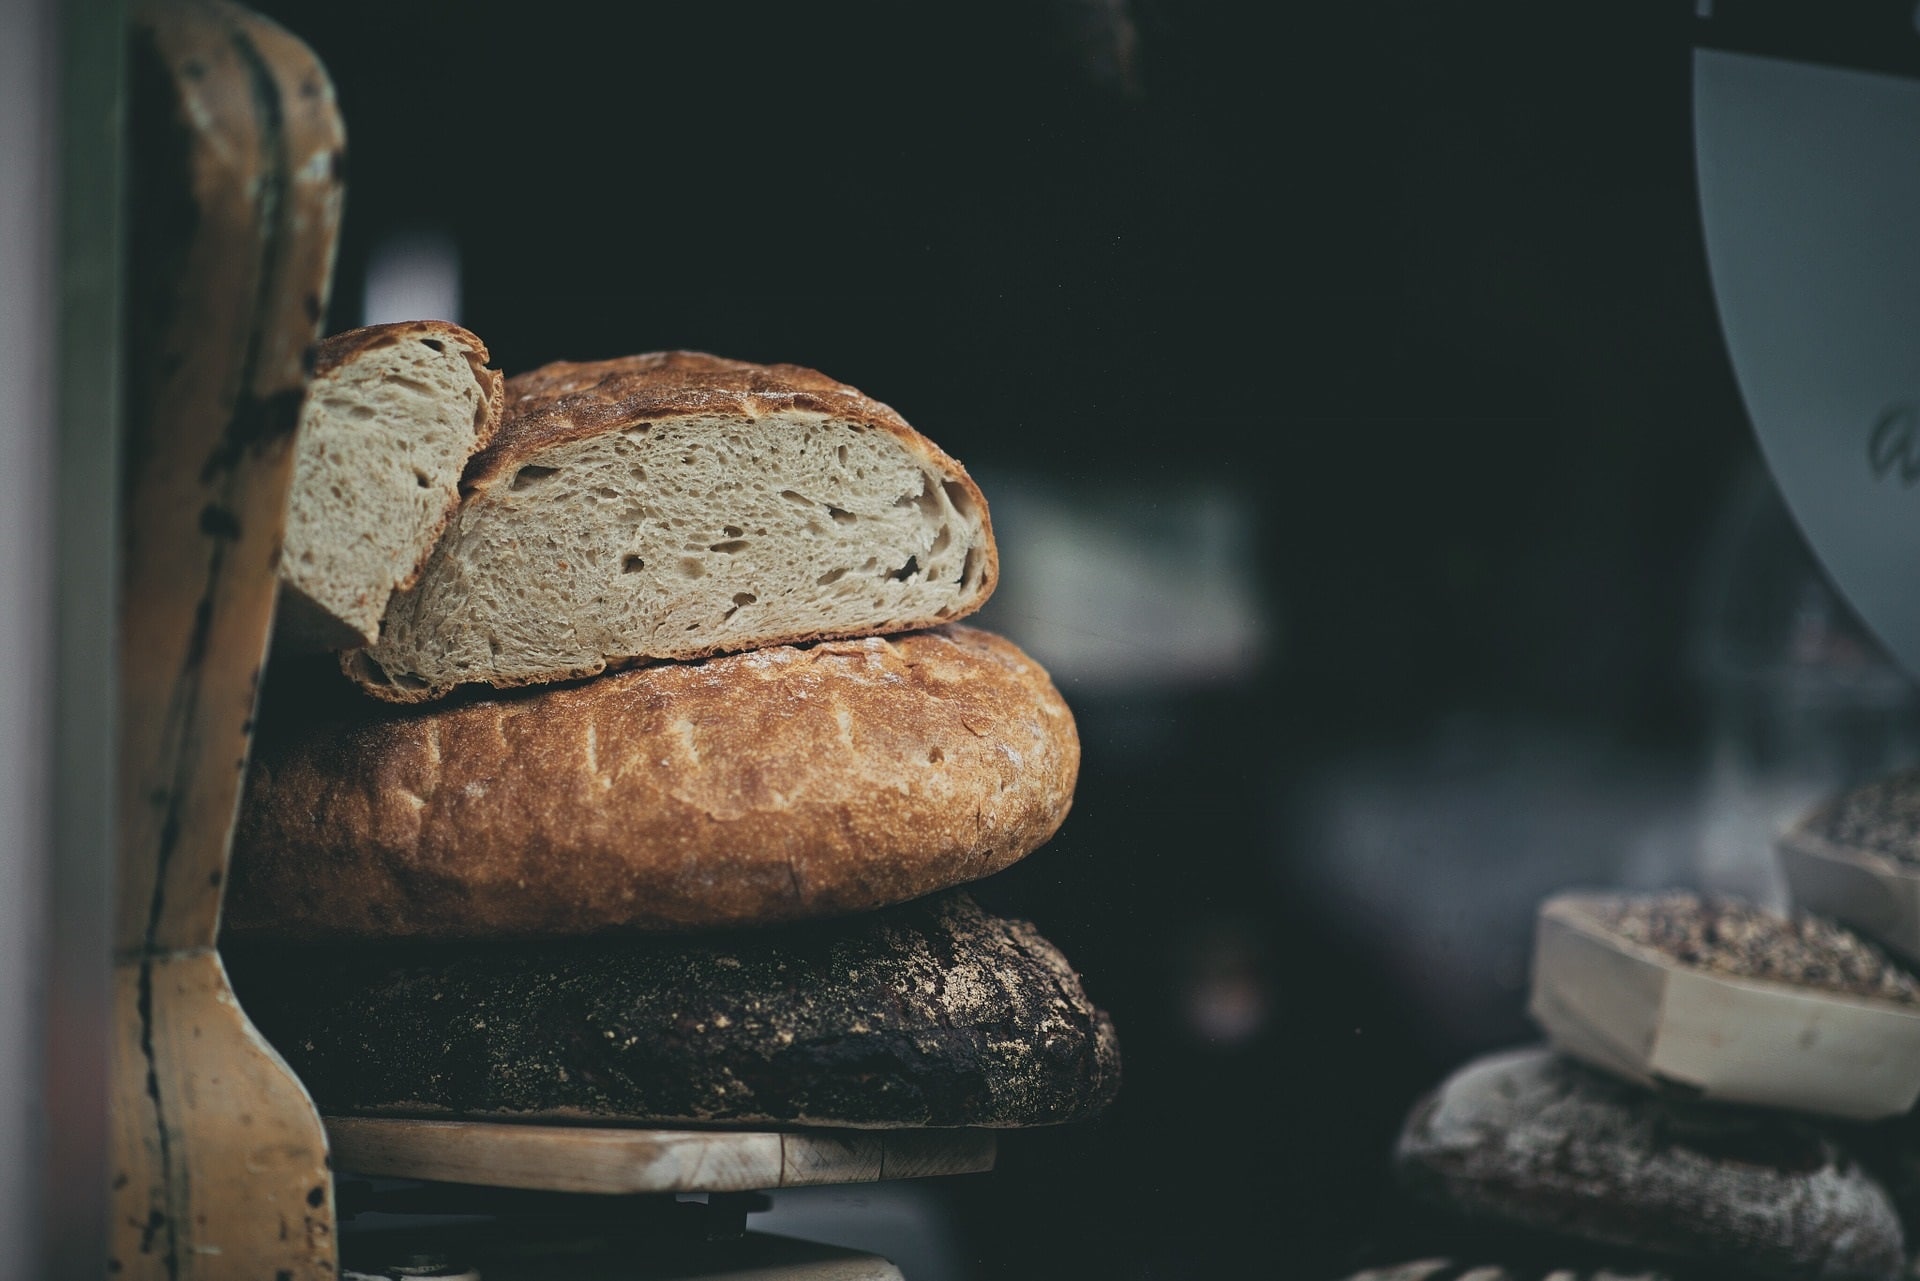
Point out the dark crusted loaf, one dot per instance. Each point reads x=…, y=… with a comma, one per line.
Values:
x=931, y=1014
x=1531, y=1139
x=1442, y=1269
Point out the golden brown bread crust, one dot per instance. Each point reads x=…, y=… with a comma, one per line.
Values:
x=339, y=349
x=568, y=401
x=780, y=784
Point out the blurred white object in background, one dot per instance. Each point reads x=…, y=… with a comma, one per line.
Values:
x=413, y=275
x=1114, y=589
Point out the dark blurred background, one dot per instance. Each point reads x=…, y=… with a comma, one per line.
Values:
x=1347, y=385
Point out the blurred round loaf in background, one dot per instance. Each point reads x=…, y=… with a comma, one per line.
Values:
x=1728, y=1001
x=1534, y=1140
x=929, y=1014
x=1442, y=1269
x=774, y=785
x=1857, y=859
x=1882, y=817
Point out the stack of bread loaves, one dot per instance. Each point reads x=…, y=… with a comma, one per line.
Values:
x=672, y=760
x=1685, y=1114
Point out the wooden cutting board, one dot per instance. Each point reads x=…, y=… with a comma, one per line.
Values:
x=616, y=1161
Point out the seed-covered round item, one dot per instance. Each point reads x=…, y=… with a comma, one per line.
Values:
x=777, y=785
x=929, y=1014
x=1881, y=818
x=1857, y=859
x=1728, y=1002
x=1530, y=1139
x=1744, y=941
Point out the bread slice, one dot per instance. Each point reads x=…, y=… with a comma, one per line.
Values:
x=391, y=416
x=678, y=505
x=742, y=790
x=932, y=1014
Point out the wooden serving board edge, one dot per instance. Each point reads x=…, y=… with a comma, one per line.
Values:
x=624, y=1161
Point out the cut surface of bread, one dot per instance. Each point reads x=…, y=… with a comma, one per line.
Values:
x=746, y=789
x=391, y=416
x=931, y=1014
x=677, y=505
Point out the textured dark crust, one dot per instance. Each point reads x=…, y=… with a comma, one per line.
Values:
x=775, y=785
x=343, y=348
x=566, y=401
x=1535, y=1141
x=1540, y=1263
x=932, y=1014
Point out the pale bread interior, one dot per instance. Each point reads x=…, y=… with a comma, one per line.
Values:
x=681, y=538
x=382, y=442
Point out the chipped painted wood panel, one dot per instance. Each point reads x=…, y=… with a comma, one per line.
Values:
x=235, y=1182
x=236, y=193
x=219, y=1160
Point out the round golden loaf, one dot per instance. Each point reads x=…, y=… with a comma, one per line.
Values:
x=774, y=785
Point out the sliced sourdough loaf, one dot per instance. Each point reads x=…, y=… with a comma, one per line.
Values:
x=677, y=505
x=391, y=416
x=932, y=1014
x=774, y=785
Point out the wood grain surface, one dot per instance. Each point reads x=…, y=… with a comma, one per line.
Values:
x=219, y=1159
x=616, y=1161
